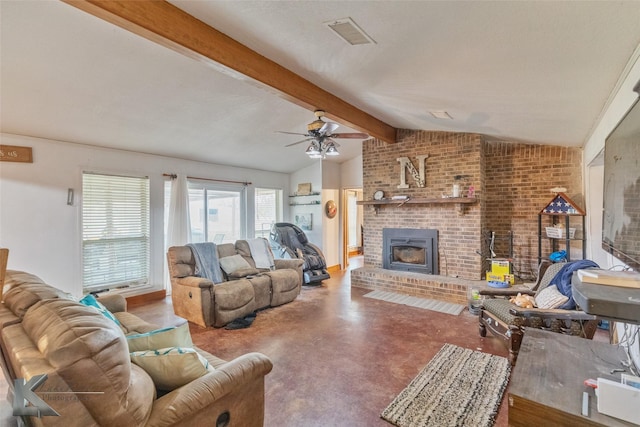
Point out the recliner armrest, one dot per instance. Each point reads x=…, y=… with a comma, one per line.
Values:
x=115, y=303
x=194, y=397
x=193, y=282
x=498, y=292
x=551, y=313
x=288, y=263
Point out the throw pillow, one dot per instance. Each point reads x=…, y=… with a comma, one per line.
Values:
x=91, y=301
x=161, y=338
x=170, y=368
x=234, y=262
x=550, y=297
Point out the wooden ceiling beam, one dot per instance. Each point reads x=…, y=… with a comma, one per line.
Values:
x=171, y=27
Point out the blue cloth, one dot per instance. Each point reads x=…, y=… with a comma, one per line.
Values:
x=91, y=301
x=207, y=263
x=562, y=280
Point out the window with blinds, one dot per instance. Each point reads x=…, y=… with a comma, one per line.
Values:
x=115, y=231
x=268, y=204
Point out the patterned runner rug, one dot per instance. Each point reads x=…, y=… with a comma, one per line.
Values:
x=429, y=304
x=458, y=387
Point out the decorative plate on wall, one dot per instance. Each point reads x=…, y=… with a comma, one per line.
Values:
x=330, y=209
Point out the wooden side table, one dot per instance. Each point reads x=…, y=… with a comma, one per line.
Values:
x=547, y=382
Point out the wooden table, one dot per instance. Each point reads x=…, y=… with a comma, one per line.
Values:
x=547, y=382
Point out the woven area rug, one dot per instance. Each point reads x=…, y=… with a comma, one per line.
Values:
x=429, y=304
x=458, y=387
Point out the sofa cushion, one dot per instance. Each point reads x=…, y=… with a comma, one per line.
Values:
x=242, y=248
x=226, y=249
x=550, y=297
x=231, y=264
x=20, y=298
x=172, y=367
x=90, y=353
x=15, y=278
x=161, y=338
x=233, y=295
x=132, y=324
x=181, y=261
x=91, y=301
x=284, y=280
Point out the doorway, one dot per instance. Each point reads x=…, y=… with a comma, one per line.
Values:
x=352, y=225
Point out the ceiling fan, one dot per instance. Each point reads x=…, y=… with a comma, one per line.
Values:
x=320, y=133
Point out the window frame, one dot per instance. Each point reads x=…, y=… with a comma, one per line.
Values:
x=148, y=244
x=207, y=185
x=279, y=207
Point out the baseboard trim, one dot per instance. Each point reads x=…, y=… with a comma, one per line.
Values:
x=334, y=268
x=144, y=298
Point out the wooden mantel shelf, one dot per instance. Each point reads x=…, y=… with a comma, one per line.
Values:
x=459, y=201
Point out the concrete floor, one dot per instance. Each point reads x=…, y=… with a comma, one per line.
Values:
x=339, y=359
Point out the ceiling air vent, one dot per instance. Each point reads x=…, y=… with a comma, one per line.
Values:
x=349, y=31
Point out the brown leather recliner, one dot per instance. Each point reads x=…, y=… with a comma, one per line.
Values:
x=204, y=303
x=80, y=350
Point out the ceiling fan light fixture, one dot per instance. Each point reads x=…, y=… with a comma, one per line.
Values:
x=331, y=150
x=313, y=149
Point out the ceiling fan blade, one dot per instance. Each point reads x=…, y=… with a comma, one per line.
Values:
x=328, y=128
x=353, y=135
x=293, y=133
x=298, y=142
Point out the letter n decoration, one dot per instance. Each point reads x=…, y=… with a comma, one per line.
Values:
x=418, y=177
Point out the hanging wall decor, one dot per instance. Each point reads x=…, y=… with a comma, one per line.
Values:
x=330, y=209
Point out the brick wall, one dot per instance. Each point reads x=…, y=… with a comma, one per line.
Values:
x=511, y=180
x=517, y=184
x=450, y=154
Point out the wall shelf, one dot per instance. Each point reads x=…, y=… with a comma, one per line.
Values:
x=304, y=195
x=459, y=201
x=305, y=202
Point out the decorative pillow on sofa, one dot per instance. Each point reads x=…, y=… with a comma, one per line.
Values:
x=170, y=368
x=91, y=301
x=550, y=297
x=161, y=338
x=236, y=266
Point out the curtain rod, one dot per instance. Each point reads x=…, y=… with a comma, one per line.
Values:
x=174, y=176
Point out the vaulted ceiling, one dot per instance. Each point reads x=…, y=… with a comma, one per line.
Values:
x=539, y=72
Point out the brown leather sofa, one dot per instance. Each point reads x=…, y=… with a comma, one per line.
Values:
x=200, y=301
x=44, y=331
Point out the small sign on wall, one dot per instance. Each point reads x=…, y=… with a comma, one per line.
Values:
x=14, y=153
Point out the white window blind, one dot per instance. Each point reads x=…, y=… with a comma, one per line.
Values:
x=268, y=204
x=115, y=230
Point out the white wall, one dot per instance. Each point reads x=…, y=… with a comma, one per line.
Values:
x=351, y=174
x=332, y=227
x=43, y=234
x=312, y=174
x=619, y=103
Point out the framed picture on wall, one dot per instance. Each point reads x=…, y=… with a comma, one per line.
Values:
x=304, y=221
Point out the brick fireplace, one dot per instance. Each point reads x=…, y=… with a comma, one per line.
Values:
x=511, y=182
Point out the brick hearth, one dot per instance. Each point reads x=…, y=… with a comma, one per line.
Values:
x=430, y=286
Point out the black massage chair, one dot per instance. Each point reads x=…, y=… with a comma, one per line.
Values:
x=289, y=241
